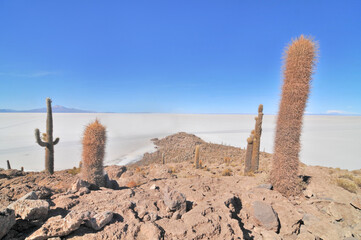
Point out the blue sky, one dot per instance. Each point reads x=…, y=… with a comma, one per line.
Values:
x=174, y=56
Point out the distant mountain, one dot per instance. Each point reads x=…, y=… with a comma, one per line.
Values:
x=56, y=109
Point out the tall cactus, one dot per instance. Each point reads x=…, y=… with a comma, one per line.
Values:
x=300, y=60
x=196, y=157
x=247, y=162
x=163, y=158
x=257, y=139
x=94, y=141
x=47, y=141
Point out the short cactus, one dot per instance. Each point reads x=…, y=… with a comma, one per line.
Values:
x=8, y=163
x=94, y=141
x=300, y=58
x=196, y=157
x=247, y=167
x=257, y=140
x=47, y=141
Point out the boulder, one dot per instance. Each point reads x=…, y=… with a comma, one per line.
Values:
x=149, y=231
x=7, y=220
x=78, y=184
x=30, y=209
x=58, y=226
x=175, y=201
x=109, y=183
x=98, y=221
x=265, y=216
x=30, y=195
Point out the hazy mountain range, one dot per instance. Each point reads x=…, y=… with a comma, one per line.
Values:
x=56, y=109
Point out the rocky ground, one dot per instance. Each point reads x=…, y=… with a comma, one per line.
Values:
x=151, y=200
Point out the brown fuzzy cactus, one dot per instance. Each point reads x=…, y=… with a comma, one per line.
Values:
x=196, y=157
x=47, y=139
x=247, y=162
x=299, y=64
x=94, y=141
x=257, y=140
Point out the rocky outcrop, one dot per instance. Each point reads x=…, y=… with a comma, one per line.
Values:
x=58, y=226
x=176, y=201
x=7, y=220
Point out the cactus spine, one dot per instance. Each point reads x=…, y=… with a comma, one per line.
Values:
x=257, y=140
x=299, y=64
x=196, y=157
x=248, y=159
x=47, y=141
x=94, y=141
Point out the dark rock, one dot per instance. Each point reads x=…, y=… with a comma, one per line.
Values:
x=7, y=220
x=265, y=216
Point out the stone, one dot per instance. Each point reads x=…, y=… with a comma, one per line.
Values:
x=265, y=216
x=333, y=211
x=154, y=187
x=7, y=220
x=30, y=195
x=149, y=231
x=175, y=201
x=30, y=209
x=308, y=193
x=98, y=221
x=58, y=226
x=109, y=183
x=83, y=190
x=78, y=184
x=266, y=186
x=114, y=172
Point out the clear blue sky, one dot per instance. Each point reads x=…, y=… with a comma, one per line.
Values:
x=174, y=56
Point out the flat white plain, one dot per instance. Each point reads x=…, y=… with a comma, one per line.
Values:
x=331, y=141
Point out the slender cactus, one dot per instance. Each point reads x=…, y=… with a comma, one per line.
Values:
x=248, y=159
x=8, y=163
x=300, y=59
x=196, y=157
x=163, y=159
x=48, y=142
x=257, y=140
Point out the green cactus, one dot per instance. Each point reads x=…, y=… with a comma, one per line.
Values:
x=247, y=162
x=257, y=140
x=48, y=143
x=300, y=59
x=196, y=157
x=163, y=159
